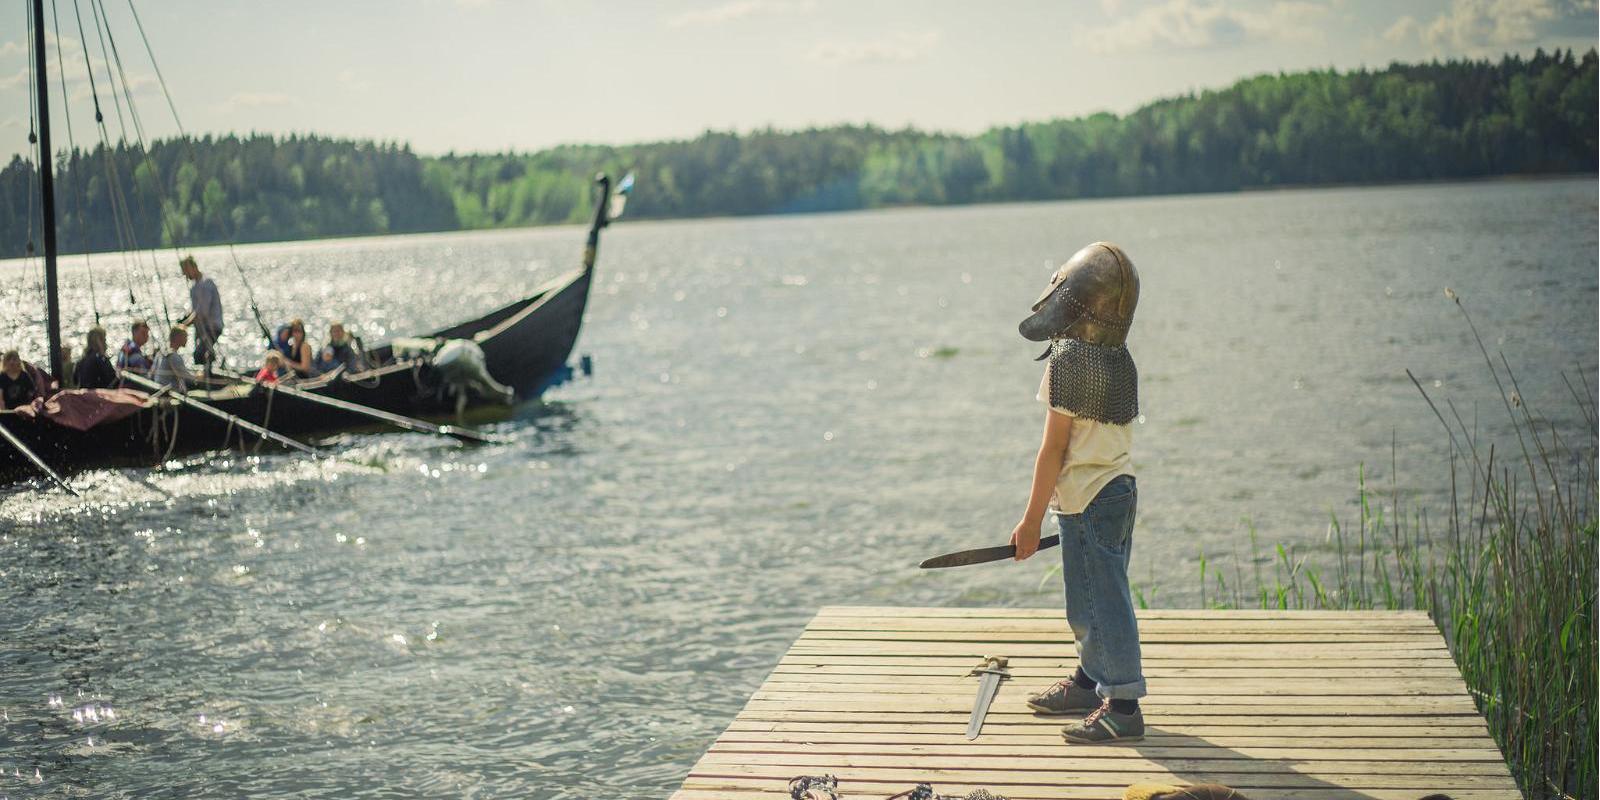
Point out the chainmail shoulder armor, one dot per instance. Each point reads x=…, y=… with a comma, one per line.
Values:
x=1093, y=381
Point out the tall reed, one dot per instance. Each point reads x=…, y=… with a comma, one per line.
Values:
x=1509, y=575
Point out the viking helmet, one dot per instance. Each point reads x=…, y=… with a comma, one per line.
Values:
x=1090, y=298
x=1086, y=314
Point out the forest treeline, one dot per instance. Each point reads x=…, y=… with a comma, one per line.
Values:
x=1457, y=119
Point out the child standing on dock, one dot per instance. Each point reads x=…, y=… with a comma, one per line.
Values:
x=1083, y=477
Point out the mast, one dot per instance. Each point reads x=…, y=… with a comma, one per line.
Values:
x=47, y=191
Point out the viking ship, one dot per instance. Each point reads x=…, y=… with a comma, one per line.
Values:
x=522, y=348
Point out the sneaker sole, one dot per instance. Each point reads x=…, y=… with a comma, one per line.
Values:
x=1050, y=712
x=1118, y=740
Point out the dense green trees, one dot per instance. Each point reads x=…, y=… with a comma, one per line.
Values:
x=1406, y=122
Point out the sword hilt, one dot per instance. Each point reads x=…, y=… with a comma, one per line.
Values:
x=995, y=665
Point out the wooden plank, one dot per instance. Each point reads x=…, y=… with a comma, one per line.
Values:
x=1057, y=667
x=1303, y=720
x=1142, y=614
x=1146, y=639
x=916, y=645
x=1008, y=741
x=1058, y=624
x=1156, y=761
x=1334, y=735
x=952, y=753
x=925, y=684
x=768, y=789
x=999, y=779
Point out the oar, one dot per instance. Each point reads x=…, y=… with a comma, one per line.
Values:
x=232, y=419
x=12, y=439
x=388, y=417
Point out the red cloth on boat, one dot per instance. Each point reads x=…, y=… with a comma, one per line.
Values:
x=82, y=409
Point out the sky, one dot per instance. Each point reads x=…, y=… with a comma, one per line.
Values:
x=496, y=75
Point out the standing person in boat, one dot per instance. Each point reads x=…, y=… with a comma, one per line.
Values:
x=1083, y=477
x=339, y=352
x=170, y=368
x=16, y=384
x=94, y=370
x=132, y=355
x=299, y=355
x=205, y=313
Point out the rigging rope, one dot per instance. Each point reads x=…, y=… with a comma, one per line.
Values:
x=103, y=33
x=72, y=149
x=122, y=216
x=34, y=175
x=113, y=186
x=188, y=145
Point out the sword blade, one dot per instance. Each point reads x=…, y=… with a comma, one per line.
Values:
x=983, y=555
x=980, y=706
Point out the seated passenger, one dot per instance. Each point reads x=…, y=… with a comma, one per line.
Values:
x=170, y=369
x=299, y=354
x=16, y=385
x=94, y=370
x=132, y=356
x=280, y=338
x=340, y=352
x=272, y=368
x=69, y=369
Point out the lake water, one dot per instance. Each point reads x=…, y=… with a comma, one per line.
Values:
x=785, y=413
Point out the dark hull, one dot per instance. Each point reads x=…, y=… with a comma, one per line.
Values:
x=526, y=345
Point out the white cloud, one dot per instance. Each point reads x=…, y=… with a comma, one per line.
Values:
x=242, y=100
x=1402, y=30
x=12, y=48
x=891, y=48
x=1471, y=26
x=1192, y=24
x=738, y=9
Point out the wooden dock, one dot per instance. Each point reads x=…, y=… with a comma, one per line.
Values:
x=1312, y=705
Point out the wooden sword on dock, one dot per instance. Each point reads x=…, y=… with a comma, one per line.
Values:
x=983, y=555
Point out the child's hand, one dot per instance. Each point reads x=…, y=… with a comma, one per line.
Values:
x=1025, y=537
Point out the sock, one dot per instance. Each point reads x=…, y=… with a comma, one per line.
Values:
x=1124, y=706
x=1083, y=680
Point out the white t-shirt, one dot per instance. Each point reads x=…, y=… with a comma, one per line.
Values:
x=1096, y=453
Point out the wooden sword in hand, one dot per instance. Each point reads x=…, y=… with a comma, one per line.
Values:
x=983, y=555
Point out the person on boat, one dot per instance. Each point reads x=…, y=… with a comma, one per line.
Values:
x=205, y=312
x=299, y=355
x=281, y=339
x=94, y=370
x=272, y=368
x=16, y=384
x=170, y=369
x=1083, y=477
x=340, y=351
x=69, y=368
x=132, y=355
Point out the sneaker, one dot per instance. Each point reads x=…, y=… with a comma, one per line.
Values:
x=1104, y=726
x=1064, y=697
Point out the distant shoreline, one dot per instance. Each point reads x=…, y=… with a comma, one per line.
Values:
x=1535, y=177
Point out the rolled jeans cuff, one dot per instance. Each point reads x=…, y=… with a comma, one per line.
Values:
x=1122, y=691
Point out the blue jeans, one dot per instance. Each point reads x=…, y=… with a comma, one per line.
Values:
x=1095, y=547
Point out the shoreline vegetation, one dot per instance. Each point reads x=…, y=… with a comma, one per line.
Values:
x=1507, y=573
x=1519, y=116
